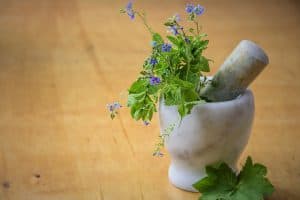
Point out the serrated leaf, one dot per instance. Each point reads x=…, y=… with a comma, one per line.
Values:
x=222, y=183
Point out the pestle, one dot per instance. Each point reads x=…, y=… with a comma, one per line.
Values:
x=243, y=65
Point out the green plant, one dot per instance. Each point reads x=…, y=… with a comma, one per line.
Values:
x=173, y=69
x=222, y=183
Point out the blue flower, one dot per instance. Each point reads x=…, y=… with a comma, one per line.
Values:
x=166, y=47
x=154, y=80
x=129, y=10
x=198, y=10
x=174, y=30
x=153, y=43
x=153, y=61
x=189, y=8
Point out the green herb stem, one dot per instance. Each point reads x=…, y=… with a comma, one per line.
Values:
x=143, y=18
x=197, y=26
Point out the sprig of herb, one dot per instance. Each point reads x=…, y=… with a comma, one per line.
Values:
x=173, y=69
x=113, y=109
x=222, y=183
x=162, y=138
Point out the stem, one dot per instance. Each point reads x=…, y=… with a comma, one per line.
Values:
x=143, y=18
x=197, y=25
x=181, y=28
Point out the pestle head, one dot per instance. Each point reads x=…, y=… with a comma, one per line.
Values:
x=238, y=71
x=254, y=50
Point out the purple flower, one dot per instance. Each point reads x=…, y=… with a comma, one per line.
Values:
x=113, y=106
x=146, y=123
x=154, y=80
x=129, y=10
x=153, y=61
x=189, y=8
x=174, y=30
x=166, y=47
x=113, y=109
x=198, y=10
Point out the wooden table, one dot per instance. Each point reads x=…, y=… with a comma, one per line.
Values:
x=61, y=62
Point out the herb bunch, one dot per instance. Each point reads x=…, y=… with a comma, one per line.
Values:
x=173, y=69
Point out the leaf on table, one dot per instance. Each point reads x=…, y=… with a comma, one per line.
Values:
x=221, y=183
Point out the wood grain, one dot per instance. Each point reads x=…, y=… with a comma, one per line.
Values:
x=62, y=61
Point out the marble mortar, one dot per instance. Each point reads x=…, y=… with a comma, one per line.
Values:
x=213, y=132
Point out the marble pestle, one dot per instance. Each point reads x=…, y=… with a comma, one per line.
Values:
x=237, y=72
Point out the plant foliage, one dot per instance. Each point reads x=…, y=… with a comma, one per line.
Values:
x=222, y=183
x=173, y=69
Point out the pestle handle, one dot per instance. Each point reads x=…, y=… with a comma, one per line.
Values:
x=243, y=65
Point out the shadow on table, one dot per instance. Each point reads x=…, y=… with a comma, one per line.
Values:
x=283, y=194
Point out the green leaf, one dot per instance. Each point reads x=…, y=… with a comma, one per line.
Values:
x=134, y=108
x=198, y=46
x=172, y=95
x=137, y=114
x=173, y=39
x=222, y=183
x=157, y=38
x=204, y=64
x=138, y=86
x=134, y=98
x=182, y=110
x=253, y=182
x=153, y=89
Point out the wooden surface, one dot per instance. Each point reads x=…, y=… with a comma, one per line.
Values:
x=61, y=62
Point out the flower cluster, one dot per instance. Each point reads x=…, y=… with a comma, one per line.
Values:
x=113, y=108
x=191, y=9
x=166, y=47
x=154, y=80
x=174, y=24
x=152, y=61
x=174, y=30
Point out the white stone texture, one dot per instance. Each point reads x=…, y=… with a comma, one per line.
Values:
x=213, y=132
